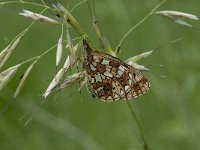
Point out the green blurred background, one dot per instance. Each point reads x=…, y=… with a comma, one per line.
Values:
x=168, y=113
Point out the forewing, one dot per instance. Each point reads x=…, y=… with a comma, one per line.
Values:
x=110, y=79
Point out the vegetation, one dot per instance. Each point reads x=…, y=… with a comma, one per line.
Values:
x=164, y=118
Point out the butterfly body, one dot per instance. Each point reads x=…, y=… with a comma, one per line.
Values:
x=109, y=78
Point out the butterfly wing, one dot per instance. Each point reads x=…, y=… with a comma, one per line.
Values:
x=110, y=79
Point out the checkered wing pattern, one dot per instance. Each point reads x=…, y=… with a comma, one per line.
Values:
x=110, y=79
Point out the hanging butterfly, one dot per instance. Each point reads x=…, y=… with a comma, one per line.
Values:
x=109, y=78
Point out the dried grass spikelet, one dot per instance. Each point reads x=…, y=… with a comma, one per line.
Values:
x=84, y=83
x=66, y=16
x=104, y=43
x=59, y=50
x=139, y=57
x=38, y=17
x=69, y=41
x=178, y=17
x=54, y=82
x=72, y=58
x=70, y=61
x=137, y=66
x=132, y=61
x=72, y=80
x=24, y=79
x=98, y=31
x=5, y=54
x=7, y=75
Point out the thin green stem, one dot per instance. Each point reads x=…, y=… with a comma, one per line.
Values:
x=135, y=26
x=78, y=5
x=28, y=28
x=23, y=33
x=144, y=143
x=28, y=3
x=39, y=56
x=43, y=54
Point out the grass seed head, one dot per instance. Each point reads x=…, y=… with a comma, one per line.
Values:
x=177, y=16
x=38, y=17
x=139, y=57
x=137, y=66
x=59, y=50
x=72, y=80
x=54, y=82
x=7, y=75
x=28, y=71
x=5, y=54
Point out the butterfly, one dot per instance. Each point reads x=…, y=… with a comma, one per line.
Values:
x=111, y=79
